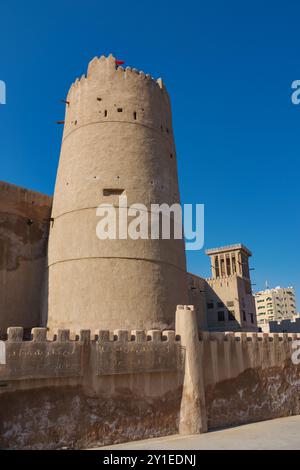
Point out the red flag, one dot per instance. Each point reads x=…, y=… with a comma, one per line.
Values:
x=120, y=62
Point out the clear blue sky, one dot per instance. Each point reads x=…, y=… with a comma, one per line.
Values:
x=228, y=66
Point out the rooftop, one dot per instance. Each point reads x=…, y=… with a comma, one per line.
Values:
x=272, y=289
x=226, y=249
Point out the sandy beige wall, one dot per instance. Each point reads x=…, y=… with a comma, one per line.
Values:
x=248, y=377
x=118, y=139
x=120, y=386
x=24, y=222
x=127, y=385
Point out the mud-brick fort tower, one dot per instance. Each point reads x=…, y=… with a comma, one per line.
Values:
x=117, y=140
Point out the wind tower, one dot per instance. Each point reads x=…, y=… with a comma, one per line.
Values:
x=230, y=303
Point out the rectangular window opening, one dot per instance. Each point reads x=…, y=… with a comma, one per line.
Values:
x=221, y=316
x=113, y=191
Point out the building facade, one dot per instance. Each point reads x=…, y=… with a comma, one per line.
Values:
x=275, y=304
x=230, y=304
x=24, y=227
x=225, y=302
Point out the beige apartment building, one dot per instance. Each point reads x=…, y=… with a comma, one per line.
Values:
x=275, y=304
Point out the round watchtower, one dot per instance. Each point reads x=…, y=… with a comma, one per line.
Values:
x=117, y=140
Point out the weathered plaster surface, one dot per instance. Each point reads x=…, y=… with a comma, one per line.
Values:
x=53, y=418
x=75, y=393
x=255, y=395
x=126, y=385
x=24, y=223
x=117, y=136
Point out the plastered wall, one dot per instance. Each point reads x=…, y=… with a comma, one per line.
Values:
x=95, y=389
x=24, y=223
x=108, y=387
x=117, y=139
x=249, y=377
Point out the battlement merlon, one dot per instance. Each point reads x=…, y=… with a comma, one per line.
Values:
x=16, y=335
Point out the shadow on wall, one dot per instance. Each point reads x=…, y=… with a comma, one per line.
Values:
x=24, y=229
x=220, y=318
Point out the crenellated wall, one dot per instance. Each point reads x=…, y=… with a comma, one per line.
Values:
x=245, y=377
x=95, y=389
x=118, y=352
x=103, y=388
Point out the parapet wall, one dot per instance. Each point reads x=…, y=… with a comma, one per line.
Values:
x=227, y=355
x=103, y=387
x=110, y=353
x=244, y=377
x=92, y=389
